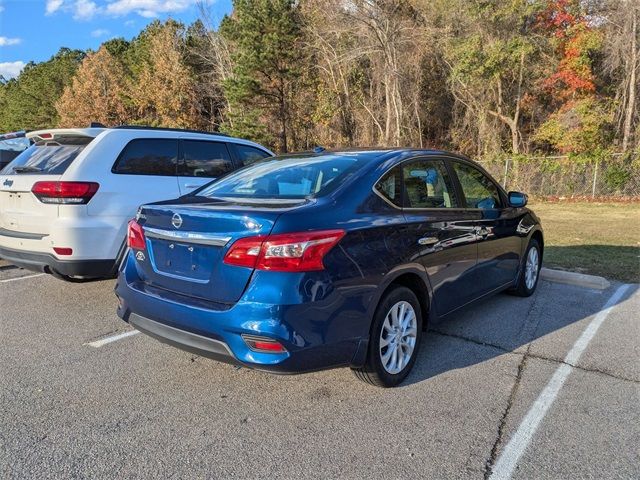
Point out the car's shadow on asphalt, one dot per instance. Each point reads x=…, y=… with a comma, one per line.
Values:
x=504, y=324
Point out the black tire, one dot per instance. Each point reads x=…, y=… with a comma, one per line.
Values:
x=373, y=371
x=521, y=289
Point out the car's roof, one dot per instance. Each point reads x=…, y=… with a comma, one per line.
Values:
x=141, y=130
x=372, y=153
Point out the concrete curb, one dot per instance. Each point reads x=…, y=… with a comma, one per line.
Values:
x=573, y=278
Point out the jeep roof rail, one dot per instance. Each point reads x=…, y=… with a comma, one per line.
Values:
x=146, y=127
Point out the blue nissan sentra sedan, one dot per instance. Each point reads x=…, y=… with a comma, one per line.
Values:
x=318, y=260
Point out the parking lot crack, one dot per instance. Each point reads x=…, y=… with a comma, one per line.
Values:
x=471, y=340
x=503, y=420
x=514, y=389
x=585, y=369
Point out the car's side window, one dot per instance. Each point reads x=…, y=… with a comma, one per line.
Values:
x=427, y=184
x=248, y=155
x=148, y=156
x=389, y=187
x=478, y=189
x=202, y=158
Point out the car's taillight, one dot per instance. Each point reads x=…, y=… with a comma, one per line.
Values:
x=135, y=236
x=74, y=193
x=287, y=252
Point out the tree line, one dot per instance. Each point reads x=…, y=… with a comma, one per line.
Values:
x=484, y=77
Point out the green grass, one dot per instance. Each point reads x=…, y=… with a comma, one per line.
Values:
x=595, y=238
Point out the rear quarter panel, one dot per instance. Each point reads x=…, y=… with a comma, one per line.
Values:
x=119, y=196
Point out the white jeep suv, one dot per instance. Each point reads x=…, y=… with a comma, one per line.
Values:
x=66, y=200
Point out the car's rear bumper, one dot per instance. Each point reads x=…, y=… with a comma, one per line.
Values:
x=203, y=346
x=316, y=334
x=44, y=262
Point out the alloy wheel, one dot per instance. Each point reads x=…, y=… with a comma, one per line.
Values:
x=531, y=268
x=398, y=337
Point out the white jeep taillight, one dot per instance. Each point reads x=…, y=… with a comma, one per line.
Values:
x=70, y=193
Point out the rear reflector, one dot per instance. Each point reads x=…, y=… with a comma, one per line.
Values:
x=287, y=252
x=63, y=250
x=73, y=193
x=135, y=236
x=263, y=344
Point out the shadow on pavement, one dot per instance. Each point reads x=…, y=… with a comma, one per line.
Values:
x=504, y=324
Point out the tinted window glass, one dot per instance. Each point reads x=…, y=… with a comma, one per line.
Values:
x=205, y=159
x=479, y=191
x=427, y=185
x=248, y=155
x=285, y=178
x=151, y=156
x=51, y=157
x=390, y=186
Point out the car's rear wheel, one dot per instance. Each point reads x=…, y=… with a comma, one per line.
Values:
x=394, y=341
x=530, y=270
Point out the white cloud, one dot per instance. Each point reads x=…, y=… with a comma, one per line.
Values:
x=100, y=32
x=147, y=8
x=88, y=9
x=53, y=6
x=130, y=23
x=11, y=69
x=5, y=42
x=84, y=9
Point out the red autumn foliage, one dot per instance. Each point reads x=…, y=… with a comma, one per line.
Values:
x=564, y=20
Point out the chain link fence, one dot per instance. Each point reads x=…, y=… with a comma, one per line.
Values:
x=614, y=177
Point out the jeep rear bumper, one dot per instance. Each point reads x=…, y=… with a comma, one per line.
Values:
x=47, y=263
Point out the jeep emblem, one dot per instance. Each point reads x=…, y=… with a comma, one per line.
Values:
x=8, y=183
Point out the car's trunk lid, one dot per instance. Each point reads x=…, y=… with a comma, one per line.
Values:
x=20, y=210
x=186, y=245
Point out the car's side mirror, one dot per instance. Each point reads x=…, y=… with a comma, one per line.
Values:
x=518, y=199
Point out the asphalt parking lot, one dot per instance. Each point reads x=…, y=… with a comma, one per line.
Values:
x=527, y=388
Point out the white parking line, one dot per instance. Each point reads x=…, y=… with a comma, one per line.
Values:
x=21, y=278
x=114, y=338
x=507, y=462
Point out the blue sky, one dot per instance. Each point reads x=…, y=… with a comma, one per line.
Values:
x=36, y=29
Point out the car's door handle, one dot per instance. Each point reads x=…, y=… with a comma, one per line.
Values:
x=428, y=241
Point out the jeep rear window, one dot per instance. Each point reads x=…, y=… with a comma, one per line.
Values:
x=47, y=157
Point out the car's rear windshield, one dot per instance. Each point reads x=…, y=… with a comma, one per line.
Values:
x=291, y=177
x=47, y=157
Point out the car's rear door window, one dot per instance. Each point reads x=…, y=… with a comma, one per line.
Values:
x=478, y=189
x=248, y=155
x=148, y=156
x=427, y=184
x=47, y=157
x=202, y=158
x=389, y=187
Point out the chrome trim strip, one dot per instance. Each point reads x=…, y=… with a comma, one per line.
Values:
x=4, y=232
x=187, y=237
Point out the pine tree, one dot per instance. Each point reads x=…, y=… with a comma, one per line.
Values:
x=29, y=100
x=266, y=39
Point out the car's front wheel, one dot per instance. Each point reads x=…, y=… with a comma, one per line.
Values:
x=395, y=338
